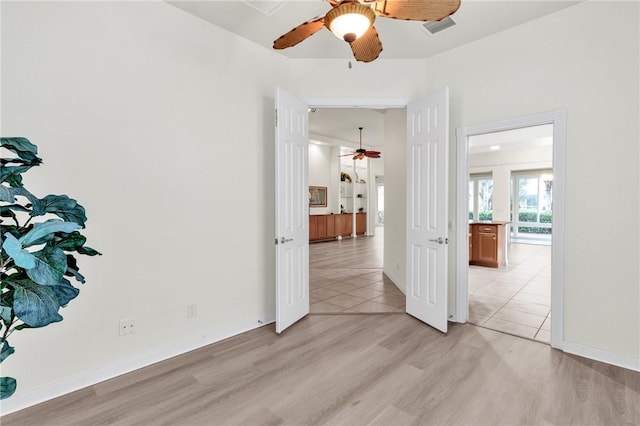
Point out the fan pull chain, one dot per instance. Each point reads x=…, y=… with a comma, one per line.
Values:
x=350, y=66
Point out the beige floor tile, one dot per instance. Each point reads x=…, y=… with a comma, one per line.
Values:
x=342, y=287
x=533, y=298
x=365, y=292
x=478, y=319
x=370, y=306
x=532, y=308
x=543, y=336
x=359, y=282
x=323, y=293
x=524, y=318
x=546, y=325
x=397, y=300
x=324, y=308
x=345, y=300
x=540, y=291
x=511, y=328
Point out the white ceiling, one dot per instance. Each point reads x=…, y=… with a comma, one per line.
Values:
x=527, y=137
x=474, y=19
x=339, y=126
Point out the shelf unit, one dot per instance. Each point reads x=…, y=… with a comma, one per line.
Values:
x=354, y=194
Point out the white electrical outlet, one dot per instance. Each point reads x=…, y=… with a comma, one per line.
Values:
x=127, y=326
x=192, y=310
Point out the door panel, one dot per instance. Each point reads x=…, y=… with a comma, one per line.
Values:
x=292, y=210
x=427, y=187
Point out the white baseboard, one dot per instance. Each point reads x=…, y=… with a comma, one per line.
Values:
x=73, y=383
x=596, y=354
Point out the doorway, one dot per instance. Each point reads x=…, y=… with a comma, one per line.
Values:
x=510, y=184
x=517, y=296
x=346, y=273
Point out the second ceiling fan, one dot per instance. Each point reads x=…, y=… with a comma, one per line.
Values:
x=360, y=153
x=352, y=21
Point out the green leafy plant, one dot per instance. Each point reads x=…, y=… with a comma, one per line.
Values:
x=36, y=257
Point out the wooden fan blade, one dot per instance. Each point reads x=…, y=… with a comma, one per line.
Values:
x=346, y=155
x=372, y=154
x=299, y=33
x=416, y=10
x=368, y=47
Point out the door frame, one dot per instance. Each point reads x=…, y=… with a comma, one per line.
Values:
x=558, y=118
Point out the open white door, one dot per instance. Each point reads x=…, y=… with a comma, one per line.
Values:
x=292, y=210
x=427, y=216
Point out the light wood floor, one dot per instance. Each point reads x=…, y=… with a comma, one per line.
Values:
x=384, y=369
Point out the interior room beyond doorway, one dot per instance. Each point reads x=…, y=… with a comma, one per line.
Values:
x=347, y=244
x=511, y=184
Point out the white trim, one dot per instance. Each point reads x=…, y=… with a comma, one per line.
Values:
x=367, y=103
x=462, y=233
x=558, y=119
x=73, y=383
x=600, y=355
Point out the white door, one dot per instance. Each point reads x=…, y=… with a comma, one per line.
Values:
x=292, y=210
x=427, y=217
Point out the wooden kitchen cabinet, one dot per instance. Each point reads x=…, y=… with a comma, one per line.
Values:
x=330, y=226
x=487, y=244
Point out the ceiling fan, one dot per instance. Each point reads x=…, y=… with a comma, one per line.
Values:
x=360, y=153
x=352, y=21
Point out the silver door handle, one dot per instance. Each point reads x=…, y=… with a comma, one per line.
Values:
x=285, y=240
x=440, y=240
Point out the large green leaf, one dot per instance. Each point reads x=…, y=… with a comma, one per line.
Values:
x=23, y=148
x=65, y=292
x=70, y=241
x=65, y=208
x=51, y=264
x=7, y=194
x=88, y=251
x=6, y=350
x=5, y=313
x=12, y=174
x=7, y=387
x=37, y=206
x=36, y=305
x=43, y=229
x=21, y=257
x=72, y=269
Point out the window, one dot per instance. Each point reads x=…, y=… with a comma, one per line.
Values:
x=481, y=197
x=531, y=204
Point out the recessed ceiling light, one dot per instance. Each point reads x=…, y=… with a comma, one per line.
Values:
x=494, y=147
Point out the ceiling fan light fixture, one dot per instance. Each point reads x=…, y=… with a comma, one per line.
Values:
x=349, y=21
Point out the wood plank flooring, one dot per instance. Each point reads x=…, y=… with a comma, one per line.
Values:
x=381, y=369
x=384, y=369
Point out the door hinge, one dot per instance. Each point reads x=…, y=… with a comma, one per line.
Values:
x=276, y=241
x=276, y=117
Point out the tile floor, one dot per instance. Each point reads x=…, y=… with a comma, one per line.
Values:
x=515, y=299
x=346, y=277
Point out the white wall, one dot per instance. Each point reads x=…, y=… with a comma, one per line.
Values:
x=500, y=164
x=162, y=126
x=560, y=62
x=320, y=174
x=395, y=182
